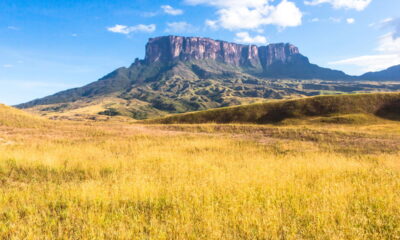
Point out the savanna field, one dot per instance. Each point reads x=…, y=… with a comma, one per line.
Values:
x=126, y=180
x=200, y=120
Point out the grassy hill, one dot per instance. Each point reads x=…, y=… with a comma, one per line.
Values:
x=350, y=108
x=12, y=117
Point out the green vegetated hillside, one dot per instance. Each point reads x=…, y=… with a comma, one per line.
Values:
x=12, y=117
x=351, y=108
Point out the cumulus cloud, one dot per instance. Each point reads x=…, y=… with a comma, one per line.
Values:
x=171, y=11
x=129, y=29
x=244, y=37
x=179, y=27
x=252, y=14
x=286, y=14
x=358, y=5
x=350, y=20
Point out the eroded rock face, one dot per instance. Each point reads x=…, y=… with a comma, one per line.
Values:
x=170, y=48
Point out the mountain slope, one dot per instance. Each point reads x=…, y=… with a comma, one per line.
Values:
x=181, y=74
x=333, y=108
x=390, y=74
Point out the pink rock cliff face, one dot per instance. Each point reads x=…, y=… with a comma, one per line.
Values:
x=170, y=48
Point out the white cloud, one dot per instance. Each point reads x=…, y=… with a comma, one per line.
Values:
x=212, y=24
x=286, y=14
x=350, y=20
x=252, y=14
x=315, y=20
x=244, y=37
x=8, y=65
x=388, y=23
x=383, y=23
x=389, y=43
x=387, y=20
x=370, y=63
x=358, y=5
x=171, y=11
x=138, y=28
x=74, y=35
x=389, y=55
x=394, y=23
x=180, y=27
x=13, y=28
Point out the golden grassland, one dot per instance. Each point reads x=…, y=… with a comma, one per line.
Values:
x=12, y=117
x=91, y=180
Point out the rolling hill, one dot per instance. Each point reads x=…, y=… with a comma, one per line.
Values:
x=330, y=109
x=11, y=117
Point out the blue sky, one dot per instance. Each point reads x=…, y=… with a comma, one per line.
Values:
x=47, y=46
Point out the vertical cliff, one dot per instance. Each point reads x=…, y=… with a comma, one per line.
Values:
x=171, y=48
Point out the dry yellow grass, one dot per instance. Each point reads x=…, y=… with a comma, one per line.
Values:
x=12, y=117
x=121, y=181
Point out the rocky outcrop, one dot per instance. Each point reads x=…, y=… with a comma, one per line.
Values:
x=277, y=53
x=171, y=48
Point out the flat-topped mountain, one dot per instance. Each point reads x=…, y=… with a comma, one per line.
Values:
x=180, y=74
x=274, y=60
x=171, y=48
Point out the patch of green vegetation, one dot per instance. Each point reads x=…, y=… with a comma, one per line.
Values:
x=110, y=112
x=56, y=108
